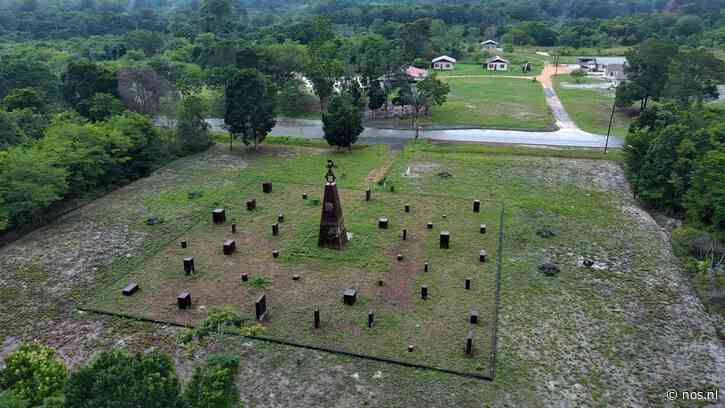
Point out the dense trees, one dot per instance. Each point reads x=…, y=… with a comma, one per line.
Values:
x=33, y=376
x=659, y=69
x=33, y=373
x=113, y=377
x=675, y=156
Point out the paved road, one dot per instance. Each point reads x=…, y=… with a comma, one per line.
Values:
x=312, y=129
x=568, y=134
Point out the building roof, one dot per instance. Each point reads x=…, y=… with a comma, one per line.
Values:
x=444, y=58
x=489, y=42
x=416, y=72
x=497, y=59
x=611, y=60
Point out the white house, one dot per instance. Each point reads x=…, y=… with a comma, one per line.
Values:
x=497, y=64
x=489, y=44
x=444, y=63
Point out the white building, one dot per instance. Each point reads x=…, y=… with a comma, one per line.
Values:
x=497, y=64
x=489, y=44
x=444, y=63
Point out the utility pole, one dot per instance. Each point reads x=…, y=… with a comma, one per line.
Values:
x=609, y=130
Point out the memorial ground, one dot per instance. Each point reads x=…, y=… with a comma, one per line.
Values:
x=619, y=333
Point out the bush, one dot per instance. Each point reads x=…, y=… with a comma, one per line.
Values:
x=213, y=386
x=33, y=373
x=118, y=379
x=219, y=321
x=9, y=400
x=689, y=241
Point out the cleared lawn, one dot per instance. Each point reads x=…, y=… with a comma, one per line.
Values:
x=489, y=103
x=501, y=103
x=591, y=108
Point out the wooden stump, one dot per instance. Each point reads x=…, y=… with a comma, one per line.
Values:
x=473, y=318
x=184, y=300
x=189, y=265
x=229, y=247
x=349, y=296
x=218, y=216
x=260, y=308
x=445, y=240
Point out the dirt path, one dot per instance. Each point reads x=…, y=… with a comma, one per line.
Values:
x=563, y=120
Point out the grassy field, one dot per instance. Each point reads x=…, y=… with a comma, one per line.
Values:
x=591, y=108
x=491, y=103
x=494, y=103
x=581, y=338
x=437, y=327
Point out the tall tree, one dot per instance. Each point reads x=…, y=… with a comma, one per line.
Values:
x=191, y=127
x=647, y=72
x=694, y=76
x=250, y=107
x=342, y=123
x=324, y=69
x=434, y=90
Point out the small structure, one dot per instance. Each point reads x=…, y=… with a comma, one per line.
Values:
x=497, y=64
x=611, y=68
x=614, y=73
x=444, y=63
x=349, y=296
x=184, y=300
x=445, y=240
x=416, y=74
x=130, y=289
x=489, y=45
x=260, y=308
x=229, y=246
x=189, y=265
x=218, y=216
x=332, y=226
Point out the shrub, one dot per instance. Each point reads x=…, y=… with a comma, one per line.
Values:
x=118, y=379
x=213, y=386
x=33, y=373
x=219, y=321
x=8, y=399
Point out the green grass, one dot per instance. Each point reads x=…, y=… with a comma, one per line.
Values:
x=546, y=323
x=402, y=317
x=489, y=103
x=590, y=109
x=473, y=65
x=498, y=103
